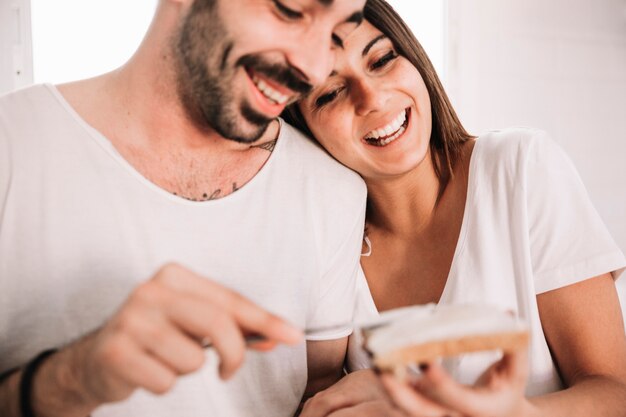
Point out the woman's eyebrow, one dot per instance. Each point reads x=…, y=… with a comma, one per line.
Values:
x=372, y=43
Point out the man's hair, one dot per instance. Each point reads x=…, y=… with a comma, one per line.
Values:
x=448, y=134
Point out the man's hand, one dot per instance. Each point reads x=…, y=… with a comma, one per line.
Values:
x=154, y=338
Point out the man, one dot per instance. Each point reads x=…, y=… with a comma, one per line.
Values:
x=149, y=198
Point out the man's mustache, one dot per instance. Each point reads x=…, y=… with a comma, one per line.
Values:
x=282, y=74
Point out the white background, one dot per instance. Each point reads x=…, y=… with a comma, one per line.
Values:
x=75, y=39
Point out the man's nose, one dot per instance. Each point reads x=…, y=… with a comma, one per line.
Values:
x=368, y=96
x=313, y=56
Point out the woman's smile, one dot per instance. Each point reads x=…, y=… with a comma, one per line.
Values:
x=387, y=134
x=374, y=112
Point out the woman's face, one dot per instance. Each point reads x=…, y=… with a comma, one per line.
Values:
x=373, y=113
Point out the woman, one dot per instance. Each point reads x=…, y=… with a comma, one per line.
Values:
x=502, y=219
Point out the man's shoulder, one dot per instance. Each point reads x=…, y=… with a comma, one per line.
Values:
x=312, y=161
x=26, y=95
x=26, y=107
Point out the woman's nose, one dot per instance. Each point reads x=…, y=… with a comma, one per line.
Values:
x=369, y=96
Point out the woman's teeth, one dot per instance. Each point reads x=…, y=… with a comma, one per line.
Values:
x=271, y=94
x=389, y=133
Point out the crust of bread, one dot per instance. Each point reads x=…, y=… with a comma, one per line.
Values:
x=429, y=351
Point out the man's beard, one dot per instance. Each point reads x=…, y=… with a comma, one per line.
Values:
x=206, y=81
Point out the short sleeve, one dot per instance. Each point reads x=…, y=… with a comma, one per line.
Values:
x=334, y=301
x=365, y=312
x=569, y=242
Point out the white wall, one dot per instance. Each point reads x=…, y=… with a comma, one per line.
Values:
x=559, y=65
x=16, y=62
x=427, y=20
x=76, y=39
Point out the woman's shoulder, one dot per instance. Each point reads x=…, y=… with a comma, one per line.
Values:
x=513, y=140
x=514, y=148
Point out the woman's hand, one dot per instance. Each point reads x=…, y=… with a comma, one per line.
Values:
x=499, y=392
x=378, y=408
x=353, y=389
x=361, y=394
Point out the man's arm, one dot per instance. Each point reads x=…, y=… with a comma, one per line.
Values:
x=153, y=338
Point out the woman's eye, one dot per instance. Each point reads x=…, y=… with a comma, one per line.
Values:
x=387, y=58
x=286, y=11
x=326, y=98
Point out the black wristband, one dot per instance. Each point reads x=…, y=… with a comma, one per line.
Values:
x=26, y=383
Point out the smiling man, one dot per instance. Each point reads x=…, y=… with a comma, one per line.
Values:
x=153, y=209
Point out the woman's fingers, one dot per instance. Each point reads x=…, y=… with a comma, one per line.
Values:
x=499, y=391
x=353, y=389
x=411, y=401
x=436, y=384
x=370, y=409
x=515, y=366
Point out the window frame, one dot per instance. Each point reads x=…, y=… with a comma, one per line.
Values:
x=16, y=45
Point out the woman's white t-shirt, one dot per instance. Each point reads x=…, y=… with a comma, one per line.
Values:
x=528, y=227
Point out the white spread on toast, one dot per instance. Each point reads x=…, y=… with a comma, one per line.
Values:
x=421, y=324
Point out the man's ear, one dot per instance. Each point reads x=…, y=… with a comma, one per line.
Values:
x=182, y=6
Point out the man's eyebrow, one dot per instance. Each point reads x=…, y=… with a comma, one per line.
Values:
x=356, y=17
x=372, y=43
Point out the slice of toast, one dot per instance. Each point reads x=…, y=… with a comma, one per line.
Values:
x=427, y=332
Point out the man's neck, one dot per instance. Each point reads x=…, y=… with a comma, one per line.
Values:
x=146, y=123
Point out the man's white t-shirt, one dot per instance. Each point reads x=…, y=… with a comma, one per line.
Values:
x=80, y=228
x=528, y=227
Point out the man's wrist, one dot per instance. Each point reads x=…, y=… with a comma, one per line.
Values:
x=26, y=382
x=57, y=390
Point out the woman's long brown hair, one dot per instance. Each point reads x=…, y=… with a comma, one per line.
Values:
x=448, y=134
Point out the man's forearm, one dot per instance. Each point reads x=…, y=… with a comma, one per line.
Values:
x=9, y=396
x=54, y=391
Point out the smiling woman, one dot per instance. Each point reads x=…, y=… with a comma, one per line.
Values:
x=454, y=220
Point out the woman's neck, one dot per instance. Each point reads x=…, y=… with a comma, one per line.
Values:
x=404, y=205
x=410, y=205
